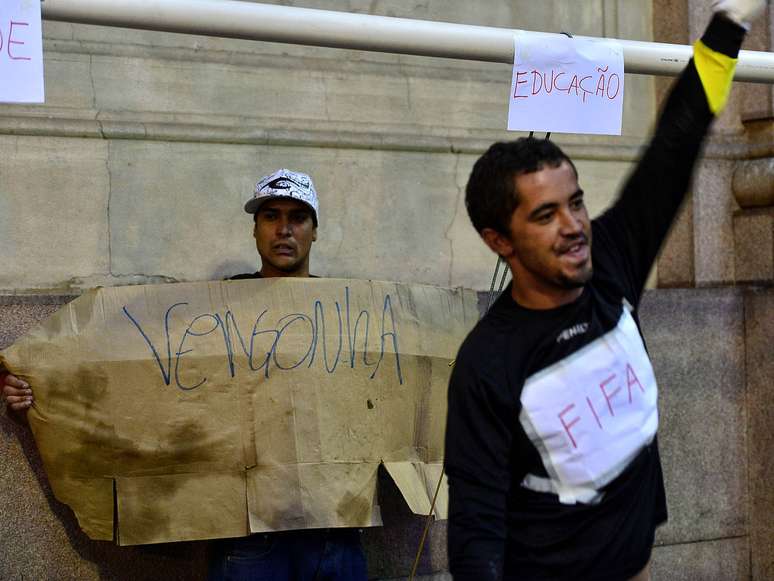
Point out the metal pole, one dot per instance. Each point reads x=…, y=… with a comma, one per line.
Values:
x=247, y=20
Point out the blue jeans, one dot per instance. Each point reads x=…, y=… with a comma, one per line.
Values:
x=307, y=555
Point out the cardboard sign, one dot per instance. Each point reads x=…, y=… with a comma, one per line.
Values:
x=221, y=409
x=21, y=52
x=566, y=85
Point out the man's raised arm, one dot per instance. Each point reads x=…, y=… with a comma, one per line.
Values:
x=640, y=219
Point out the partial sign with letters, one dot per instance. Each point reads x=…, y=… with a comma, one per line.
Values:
x=21, y=52
x=566, y=85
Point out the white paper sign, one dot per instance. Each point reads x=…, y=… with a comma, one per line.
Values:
x=590, y=414
x=21, y=52
x=567, y=85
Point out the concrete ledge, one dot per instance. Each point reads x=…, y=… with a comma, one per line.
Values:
x=331, y=134
x=149, y=126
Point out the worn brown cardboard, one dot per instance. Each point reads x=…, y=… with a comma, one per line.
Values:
x=205, y=410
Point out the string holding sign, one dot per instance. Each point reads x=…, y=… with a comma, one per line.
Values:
x=566, y=85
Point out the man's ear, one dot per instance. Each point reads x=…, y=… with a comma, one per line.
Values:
x=314, y=234
x=498, y=243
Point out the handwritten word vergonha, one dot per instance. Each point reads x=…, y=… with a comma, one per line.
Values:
x=262, y=346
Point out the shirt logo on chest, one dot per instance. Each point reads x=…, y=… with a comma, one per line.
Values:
x=573, y=331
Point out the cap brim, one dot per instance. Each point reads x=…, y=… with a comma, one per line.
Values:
x=252, y=206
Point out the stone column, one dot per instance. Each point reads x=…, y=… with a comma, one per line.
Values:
x=675, y=264
x=753, y=186
x=712, y=242
x=759, y=321
x=753, y=178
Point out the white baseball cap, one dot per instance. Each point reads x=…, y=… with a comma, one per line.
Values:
x=285, y=183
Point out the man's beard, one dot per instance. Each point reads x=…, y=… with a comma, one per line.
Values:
x=570, y=283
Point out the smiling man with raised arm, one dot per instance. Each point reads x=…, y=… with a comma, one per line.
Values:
x=551, y=448
x=285, y=211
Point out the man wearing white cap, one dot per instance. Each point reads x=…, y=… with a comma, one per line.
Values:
x=286, y=210
x=551, y=448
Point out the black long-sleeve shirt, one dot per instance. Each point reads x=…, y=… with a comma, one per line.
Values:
x=524, y=503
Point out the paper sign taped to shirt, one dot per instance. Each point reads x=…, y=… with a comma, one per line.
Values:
x=566, y=85
x=21, y=52
x=221, y=409
x=590, y=414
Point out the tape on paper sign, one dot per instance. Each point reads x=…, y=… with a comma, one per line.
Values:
x=566, y=85
x=21, y=52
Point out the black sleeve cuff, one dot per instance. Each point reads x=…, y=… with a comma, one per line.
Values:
x=724, y=35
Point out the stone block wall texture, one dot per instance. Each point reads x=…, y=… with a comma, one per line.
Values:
x=137, y=166
x=712, y=356
x=754, y=245
x=759, y=322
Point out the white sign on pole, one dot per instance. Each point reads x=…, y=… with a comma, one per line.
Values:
x=566, y=85
x=21, y=52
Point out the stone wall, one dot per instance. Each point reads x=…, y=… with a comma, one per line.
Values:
x=136, y=168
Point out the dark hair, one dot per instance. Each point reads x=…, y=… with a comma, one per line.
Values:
x=491, y=195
